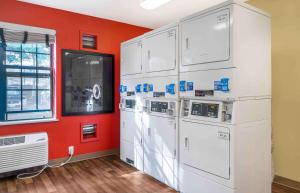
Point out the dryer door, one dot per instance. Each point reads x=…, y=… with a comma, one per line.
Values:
x=131, y=58
x=159, y=51
x=205, y=147
x=206, y=39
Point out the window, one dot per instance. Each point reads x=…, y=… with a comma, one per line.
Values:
x=26, y=80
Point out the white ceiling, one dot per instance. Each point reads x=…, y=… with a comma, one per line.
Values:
x=129, y=11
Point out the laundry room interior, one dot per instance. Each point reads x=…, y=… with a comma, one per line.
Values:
x=137, y=96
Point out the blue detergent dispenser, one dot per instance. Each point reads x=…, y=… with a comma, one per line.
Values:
x=123, y=88
x=186, y=86
x=222, y=85
x=148, y=87
x=170, y=88
x=138, y=88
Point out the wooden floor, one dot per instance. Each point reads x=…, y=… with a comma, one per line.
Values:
x=101, y=175
x=282, y=189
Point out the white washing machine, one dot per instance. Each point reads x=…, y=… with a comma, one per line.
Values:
x=131, y=136
x=225, y=146
x=160, y=130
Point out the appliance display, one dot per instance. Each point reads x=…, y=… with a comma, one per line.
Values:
x=87, y=82
x=205, y=109
x=130, y=103
x=160, y=107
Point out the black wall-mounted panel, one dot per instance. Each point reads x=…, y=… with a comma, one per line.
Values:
x=88, y=83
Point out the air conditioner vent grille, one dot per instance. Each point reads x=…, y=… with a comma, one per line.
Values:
x=23, y=156
x=12, y=140
x=19, y=152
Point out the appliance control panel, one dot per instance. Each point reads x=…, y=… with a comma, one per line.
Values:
x=130, y=103
x=205, y=109
x=216, y=111
x=160, y=107
x=167, y=108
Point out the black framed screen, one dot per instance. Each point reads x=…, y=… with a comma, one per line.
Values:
x=88, y=83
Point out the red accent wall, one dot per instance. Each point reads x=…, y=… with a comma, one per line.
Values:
x=68, y=25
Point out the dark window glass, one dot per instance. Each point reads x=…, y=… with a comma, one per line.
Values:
x=87, y=83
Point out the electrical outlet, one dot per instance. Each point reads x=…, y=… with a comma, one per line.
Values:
x=71, y=150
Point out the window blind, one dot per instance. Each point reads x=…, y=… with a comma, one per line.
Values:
x=13, y=36
x=14, y=33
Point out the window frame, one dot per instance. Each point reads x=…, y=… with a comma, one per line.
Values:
x=4, y=112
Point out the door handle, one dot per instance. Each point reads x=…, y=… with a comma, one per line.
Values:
x=187, y=43
x=186, y=143
x=149, y=131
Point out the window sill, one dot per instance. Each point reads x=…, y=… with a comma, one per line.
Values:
x=28, y=121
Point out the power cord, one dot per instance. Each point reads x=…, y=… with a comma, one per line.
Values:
x=37, y=173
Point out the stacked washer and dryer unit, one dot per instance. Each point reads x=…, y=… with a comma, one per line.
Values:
x=224, y=86
x=150, y=103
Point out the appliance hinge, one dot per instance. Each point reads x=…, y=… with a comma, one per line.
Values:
x=175, y=126
x=229, y=171
x=174, y=152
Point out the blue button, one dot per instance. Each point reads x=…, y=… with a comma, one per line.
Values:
x=150, y=87
x=145, y=87
x=138, y=88
x=190, y=86
x=170, y=89
x=182, y=86
x=222, y=85
x=123, y=89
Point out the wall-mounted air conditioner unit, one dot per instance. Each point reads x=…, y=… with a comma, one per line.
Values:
x=23, y=151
